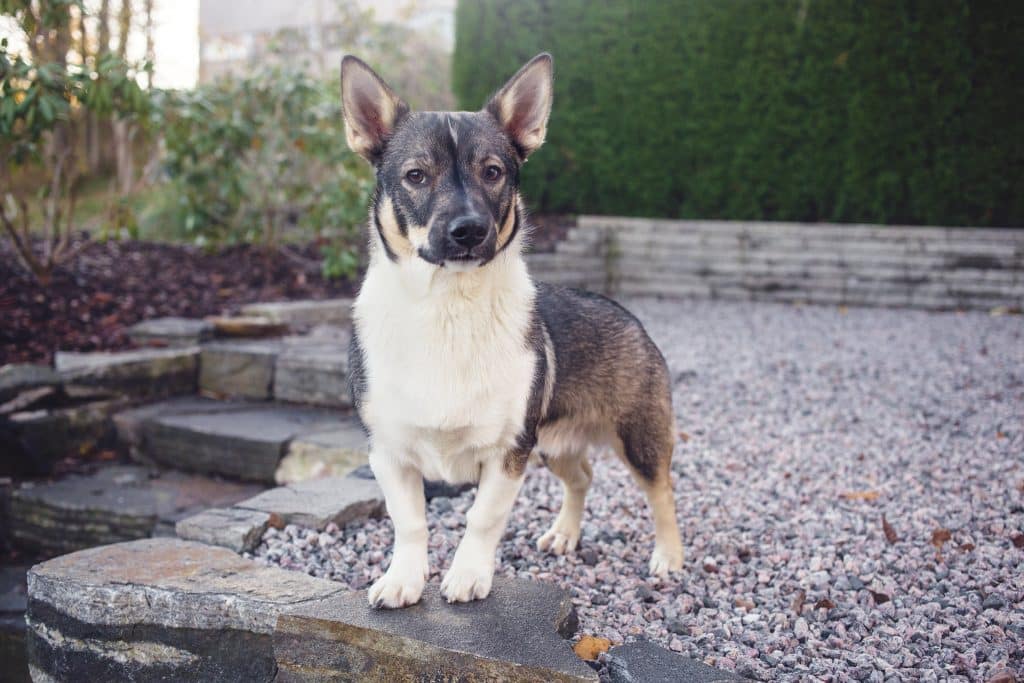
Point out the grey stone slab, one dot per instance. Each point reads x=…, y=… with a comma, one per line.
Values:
x=171, y=331
x=313, y=371
x=143, y=372
x=17, y=377
x=247, y=443
x=303, y=314
x=517, y=634
x=238, y=368
x=233, y=528
x=117, y=503
x=128, y=423
x=646, y=662
x=159, y=609
x=317, y=502
x=333, y=453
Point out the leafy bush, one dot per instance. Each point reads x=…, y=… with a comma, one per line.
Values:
x=44, y=101
x=844, y=110
x=250, y=159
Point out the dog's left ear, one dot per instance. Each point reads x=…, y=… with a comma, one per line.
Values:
x=522, y=106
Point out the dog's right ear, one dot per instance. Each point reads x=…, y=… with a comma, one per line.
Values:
x=371, y=109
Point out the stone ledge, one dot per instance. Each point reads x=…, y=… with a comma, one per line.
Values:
x=239, y=368
x=318, y=502
x=117, y=503
x=159, y=609
x=144, y=372
x=300, y=314
x=232, y=528
x=170, y=331
x=517, y=634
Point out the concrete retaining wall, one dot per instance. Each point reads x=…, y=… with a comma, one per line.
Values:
x=919, y=267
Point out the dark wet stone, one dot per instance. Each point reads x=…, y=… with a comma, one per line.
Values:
x=516, y=634
x=13, y=602
x=18, y=377
x=645, y=662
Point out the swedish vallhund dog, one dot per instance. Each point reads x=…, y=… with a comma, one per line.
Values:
x=461, y=365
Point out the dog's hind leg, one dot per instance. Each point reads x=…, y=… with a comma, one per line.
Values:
x=576, y=475
x=647, y=450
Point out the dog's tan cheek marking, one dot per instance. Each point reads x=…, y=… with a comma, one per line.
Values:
x=396, y=241
x=505, y=232
x=418, y=236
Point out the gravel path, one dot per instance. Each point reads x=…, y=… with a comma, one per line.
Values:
x=850, y=487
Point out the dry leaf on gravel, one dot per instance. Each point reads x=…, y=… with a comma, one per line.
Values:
x=940, y=537
x=824, y=603
x=880, y=598
x=590, y=647
x=798, y=601
x=889, y=531
x=859, y=495
x=1018, y=540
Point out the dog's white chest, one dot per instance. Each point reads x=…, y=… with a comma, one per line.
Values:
x=448, y=376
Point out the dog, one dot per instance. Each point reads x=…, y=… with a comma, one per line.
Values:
x=461, y=366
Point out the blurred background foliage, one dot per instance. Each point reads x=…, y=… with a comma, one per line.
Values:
x=882, y=111
x=254, y=156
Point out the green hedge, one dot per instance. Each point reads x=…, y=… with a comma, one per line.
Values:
x=883, y=111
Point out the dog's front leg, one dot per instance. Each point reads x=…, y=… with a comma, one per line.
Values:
x=469, y=577
x=402, y=485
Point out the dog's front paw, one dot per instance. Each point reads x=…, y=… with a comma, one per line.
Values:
x=464, y=583
x=397, y=588
x=665, y=560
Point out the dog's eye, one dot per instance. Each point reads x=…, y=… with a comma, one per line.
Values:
x=415, y=176
x=492, y=173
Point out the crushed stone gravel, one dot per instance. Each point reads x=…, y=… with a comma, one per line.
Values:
x=850, y=488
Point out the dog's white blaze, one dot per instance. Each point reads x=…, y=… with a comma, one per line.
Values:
x=453, y=131
x=448, y=372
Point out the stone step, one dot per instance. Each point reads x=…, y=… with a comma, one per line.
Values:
x=142, y=372
x=313, y=504
x=166, y=609
x=310, y=369
x=171, y=331
x=244, y=440
x=243, y=369
x=116, y=503
x=303, y=314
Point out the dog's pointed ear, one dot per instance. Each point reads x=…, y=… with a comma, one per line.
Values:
x=371, y=109
x=522, y=106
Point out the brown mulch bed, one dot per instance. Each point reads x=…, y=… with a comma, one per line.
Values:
x=113, y=285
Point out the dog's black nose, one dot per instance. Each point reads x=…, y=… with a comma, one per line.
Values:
x=467, y=232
